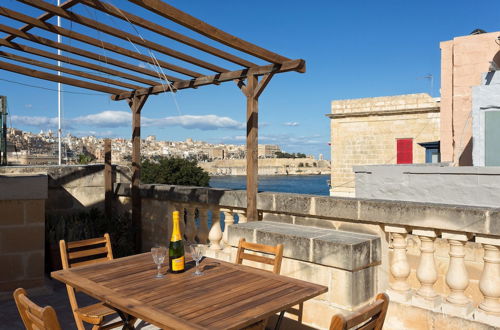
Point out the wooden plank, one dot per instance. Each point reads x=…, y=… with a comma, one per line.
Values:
x=77, y=51
x=52, y=77
x=136, y=104
x=96, y=43
x=295, y=65
x=76, y=62
x=252, y=158
x=108, y=180
x=44, y=17
x=257, y=258
x=122, y=34
x=89, y=262
x=67, y=70
x=87, y=253
x=163, y=9
x=195, y=302
x=86, y=242
x=139, y=21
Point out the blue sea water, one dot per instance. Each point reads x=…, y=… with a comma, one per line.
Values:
x=299, y=184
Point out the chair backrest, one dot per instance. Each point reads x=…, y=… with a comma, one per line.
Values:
x=277, y=251
x=367, y=318
x=85, y=252
x=35, y=317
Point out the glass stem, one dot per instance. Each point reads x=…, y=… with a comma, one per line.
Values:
x=197, y=264
x=158, y=267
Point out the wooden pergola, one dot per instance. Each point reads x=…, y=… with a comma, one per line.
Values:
x=136, y=83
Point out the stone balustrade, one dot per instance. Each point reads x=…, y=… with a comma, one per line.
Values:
x=440, y=258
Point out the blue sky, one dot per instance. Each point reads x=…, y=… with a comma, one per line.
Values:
x=352, y=49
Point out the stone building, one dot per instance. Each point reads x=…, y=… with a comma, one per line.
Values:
x=464, y=61
x=381, y=130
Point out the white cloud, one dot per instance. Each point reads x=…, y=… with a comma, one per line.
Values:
x=42, y=122
x=291, y=123
x=112, y=119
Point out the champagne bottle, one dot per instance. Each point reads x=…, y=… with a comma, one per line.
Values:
x=176, y=247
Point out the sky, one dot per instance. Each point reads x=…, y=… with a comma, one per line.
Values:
x=352, y=49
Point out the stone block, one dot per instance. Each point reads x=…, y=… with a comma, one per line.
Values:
x=490, y=319
x=19, y=187
x=12, y=267
x=12, y=212
x=433, y=304
x=34, y=211
x=34, y=265
x=308, y=272
x=340, y=208
x=246, y=231
x=273, y=217
x=464, y=311
x=346, y=250
x=352, y=289
x=315, y=222
x=22, y=239
x=292, y=203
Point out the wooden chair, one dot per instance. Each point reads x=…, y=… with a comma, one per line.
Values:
x=277, y=251
x=81, y=253
x=367, y=318
x=35, y=317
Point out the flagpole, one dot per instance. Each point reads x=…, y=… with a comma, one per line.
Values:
x=59, y=88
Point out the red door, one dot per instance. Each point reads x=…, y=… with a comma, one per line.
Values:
x=404, y=151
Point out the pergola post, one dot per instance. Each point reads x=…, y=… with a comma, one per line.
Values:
x=108, y=180
x=252, y=90
x=136, y=103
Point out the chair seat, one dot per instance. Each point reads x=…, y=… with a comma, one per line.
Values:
x=94, y=313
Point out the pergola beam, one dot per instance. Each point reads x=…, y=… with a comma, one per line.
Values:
x=61, y=79
x=191, y=22
x=96, y=43
x=66, y=70
x=44, y=17
x=139, y=21
x=69, y=60
x=294, y=65
x=77, y=51
x=125, y=36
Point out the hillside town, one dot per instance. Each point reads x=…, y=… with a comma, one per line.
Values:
x=26, y=148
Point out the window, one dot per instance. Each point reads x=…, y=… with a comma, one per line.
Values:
x=404, y=149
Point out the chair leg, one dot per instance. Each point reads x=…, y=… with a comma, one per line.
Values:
x=278, y=322
x=301, y=310
x=78, y=321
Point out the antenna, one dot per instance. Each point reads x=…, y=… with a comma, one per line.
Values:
x=431, y=80
x=3, y=130
x=59, y=88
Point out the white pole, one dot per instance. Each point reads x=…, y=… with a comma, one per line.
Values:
x=59, y=87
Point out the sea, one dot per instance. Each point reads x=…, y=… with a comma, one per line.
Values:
x=299, y=184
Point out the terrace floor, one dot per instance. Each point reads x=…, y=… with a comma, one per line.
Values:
x=56, y=296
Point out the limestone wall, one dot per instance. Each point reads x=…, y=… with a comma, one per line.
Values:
x=268, y=166
x=364, y=132
x=463, y=60
x=22, y=232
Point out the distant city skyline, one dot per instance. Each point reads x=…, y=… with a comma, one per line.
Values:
x=351, y=51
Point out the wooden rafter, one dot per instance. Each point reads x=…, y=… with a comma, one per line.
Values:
x=52, y=77
x=95, y=42
x=125, y=36
x=69, y=60
x=163, y=9
x=44, y=17
x=161, y=30
x=77, y=51
x=295, y=65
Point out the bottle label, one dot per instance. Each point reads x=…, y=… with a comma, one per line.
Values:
x=178, y=264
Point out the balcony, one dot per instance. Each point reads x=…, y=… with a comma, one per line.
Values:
x=440, y=264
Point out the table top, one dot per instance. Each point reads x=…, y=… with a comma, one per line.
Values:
x=227, y=296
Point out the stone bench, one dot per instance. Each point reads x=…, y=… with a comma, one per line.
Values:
x=344, y=261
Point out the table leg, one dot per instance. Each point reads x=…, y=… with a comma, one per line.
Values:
x=126, y=318
x=278, y=322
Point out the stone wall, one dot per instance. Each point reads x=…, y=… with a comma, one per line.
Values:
x=464, y=185
x=71, y=188
x=463, y=60
x=364, y=132
x=268, y=166
x=22, y=232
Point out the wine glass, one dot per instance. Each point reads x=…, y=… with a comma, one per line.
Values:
x=197, y=251
x=159, y=253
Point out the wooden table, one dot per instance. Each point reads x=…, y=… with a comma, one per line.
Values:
x=227, y=296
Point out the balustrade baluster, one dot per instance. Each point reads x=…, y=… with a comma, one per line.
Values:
x=190, y=225
x=242, y=216
x=203, y=228
x=228, y=220
x=400, y=268
x=427, y=271
x=457, y=277
x=489, y=284
x=215, y=234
